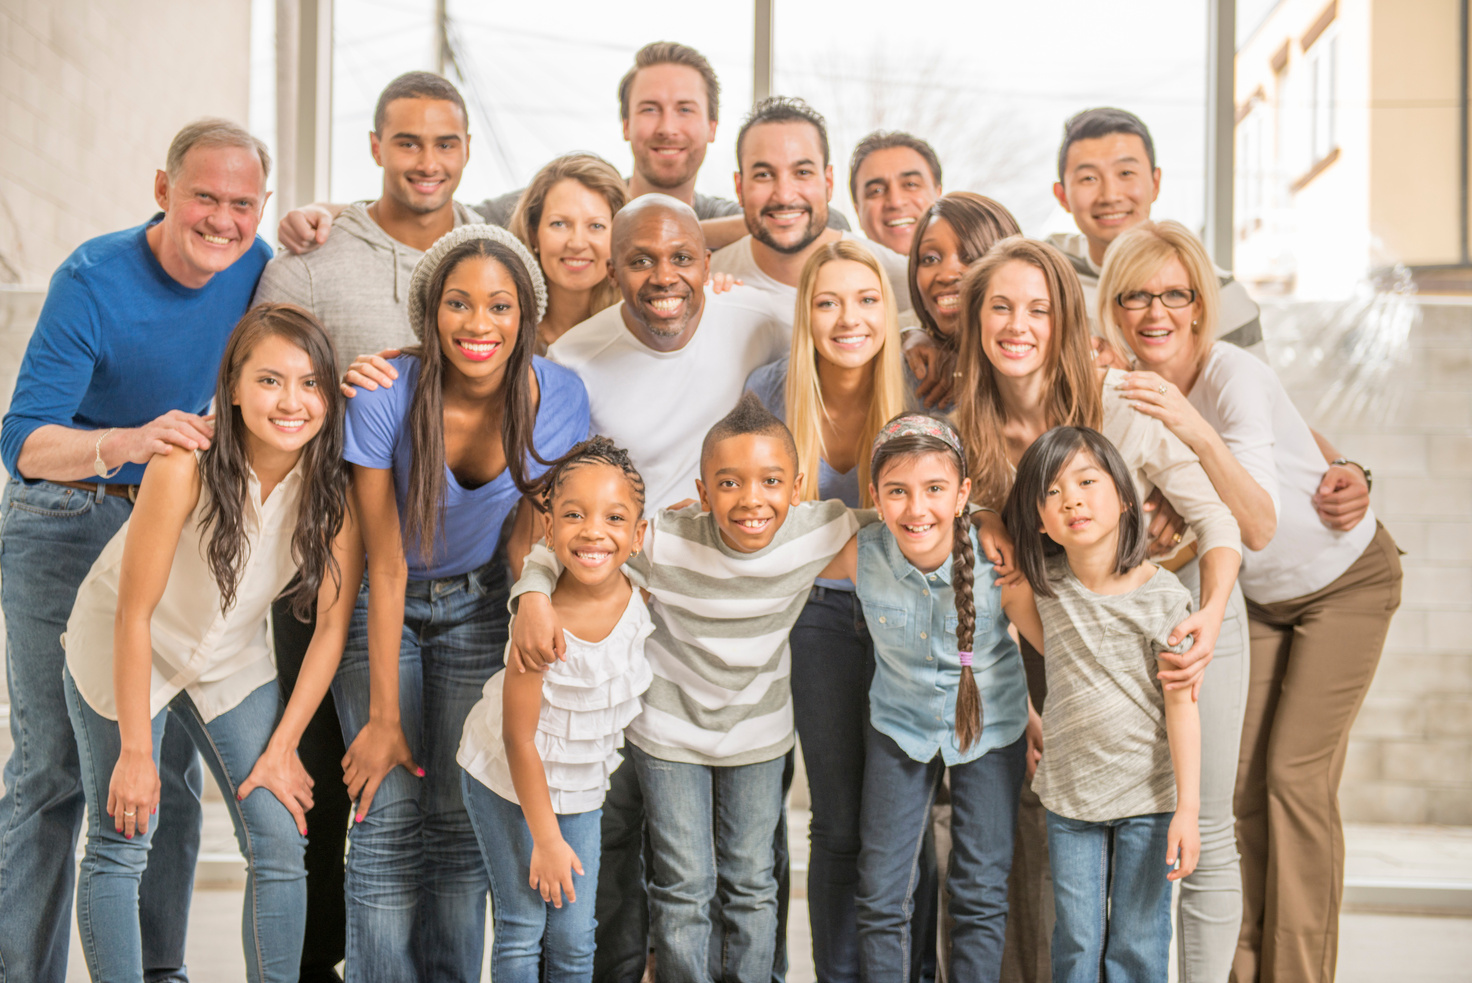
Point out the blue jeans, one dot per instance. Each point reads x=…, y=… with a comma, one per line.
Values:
x=112, y=865
x=898, y=794
x=1112, y=899
x=50, y=536
x=832, y=667
x=712, y=829
x=416, y=884
x=531, y=936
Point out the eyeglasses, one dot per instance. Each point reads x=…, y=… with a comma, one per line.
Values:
x=1139, y=300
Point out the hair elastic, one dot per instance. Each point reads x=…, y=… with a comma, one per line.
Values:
x=965, y=658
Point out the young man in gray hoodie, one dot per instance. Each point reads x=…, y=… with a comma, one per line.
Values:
x=357, y=285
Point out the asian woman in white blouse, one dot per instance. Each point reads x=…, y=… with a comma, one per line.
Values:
x=1319, y=598
x=172, y=619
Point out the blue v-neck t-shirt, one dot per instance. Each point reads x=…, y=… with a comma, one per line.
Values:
x=376, y=435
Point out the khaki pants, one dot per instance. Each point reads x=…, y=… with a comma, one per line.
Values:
x=1313, y=659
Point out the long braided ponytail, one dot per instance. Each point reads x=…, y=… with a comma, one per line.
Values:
x=963, y=580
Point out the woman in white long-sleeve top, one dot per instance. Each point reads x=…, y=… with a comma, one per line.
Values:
x=1319, y=599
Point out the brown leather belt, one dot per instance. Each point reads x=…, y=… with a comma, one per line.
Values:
x=130, y=492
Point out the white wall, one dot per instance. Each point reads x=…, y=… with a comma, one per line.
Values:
x=91, y=92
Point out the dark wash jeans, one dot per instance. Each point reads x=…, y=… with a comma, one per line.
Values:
x=832, y=668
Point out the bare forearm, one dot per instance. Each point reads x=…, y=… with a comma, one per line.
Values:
x=1183, y=730
x=1325, y=448
x=131, y=672
x=57, y=453
x=1218, y=573
x=529, y=778
x=385, y=630
x=721, y=232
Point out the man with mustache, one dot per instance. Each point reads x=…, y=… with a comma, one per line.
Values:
x=893, y=178
x=669, y=103
x=784, y=184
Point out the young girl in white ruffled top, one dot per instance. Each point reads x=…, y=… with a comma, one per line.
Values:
x=538, y=748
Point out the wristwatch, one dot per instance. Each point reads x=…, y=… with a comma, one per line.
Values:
x=98, y=464
x=1369, y=480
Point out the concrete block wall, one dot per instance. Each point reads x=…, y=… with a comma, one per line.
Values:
x=1410, y=753
x=91, y=92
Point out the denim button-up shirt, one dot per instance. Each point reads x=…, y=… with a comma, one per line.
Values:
x=912, y=618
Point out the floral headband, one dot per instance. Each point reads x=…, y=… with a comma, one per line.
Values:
x=918, y=424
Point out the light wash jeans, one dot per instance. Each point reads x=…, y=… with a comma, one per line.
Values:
x=1209, y=906
x=50, y=536
x=1112, y=899
x=712, y=830
x=112, y=866
x=416, y=883
x=533, y=941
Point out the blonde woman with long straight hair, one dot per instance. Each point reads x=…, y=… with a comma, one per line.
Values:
x=1024, y=350
x=843, y=380
x=565, y=217
x=1319, y=603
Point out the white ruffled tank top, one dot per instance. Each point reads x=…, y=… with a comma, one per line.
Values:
x=587, y=702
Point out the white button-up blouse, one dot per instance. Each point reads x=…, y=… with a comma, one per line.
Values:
x=218, y=658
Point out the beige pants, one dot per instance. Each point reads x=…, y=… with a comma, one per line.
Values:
x=1313, y=659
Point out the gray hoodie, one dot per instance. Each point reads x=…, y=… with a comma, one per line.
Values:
x=356, y=283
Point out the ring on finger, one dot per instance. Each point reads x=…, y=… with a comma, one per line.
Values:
x=130, y=813
x=1176, y=538
x=1161, y=389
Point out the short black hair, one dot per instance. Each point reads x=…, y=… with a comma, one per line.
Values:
x=749, y=417
x=417, y=85
x=884, y=140
x=1101, y=122
x=783, y=109
x=1039, y=468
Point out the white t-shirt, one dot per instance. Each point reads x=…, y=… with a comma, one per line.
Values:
x=737, y=260
x=1245, y=402
x=659, y=405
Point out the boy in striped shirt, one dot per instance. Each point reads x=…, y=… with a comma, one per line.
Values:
x=728, y=580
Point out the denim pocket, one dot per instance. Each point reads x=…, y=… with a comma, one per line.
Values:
x=885, y=617
x=47, y=498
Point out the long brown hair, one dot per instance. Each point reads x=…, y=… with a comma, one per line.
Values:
x=425, y=506
x=593, y=173
x=963, y=573
x=1072, y=388
x=225, y=466
x=979, y=223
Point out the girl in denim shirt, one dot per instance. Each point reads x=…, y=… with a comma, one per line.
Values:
x=948, y=693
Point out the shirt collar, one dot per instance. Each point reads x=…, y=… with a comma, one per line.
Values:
x=902, y=567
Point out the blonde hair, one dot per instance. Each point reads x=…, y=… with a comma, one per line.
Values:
x=804, y=395
x=1139, y=254
x=1072, y=387
x=593, y=173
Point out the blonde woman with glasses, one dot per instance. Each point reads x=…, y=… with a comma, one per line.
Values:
x=1319, y=603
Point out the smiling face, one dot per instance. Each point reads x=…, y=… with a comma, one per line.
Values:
x=661, y=264
x=1162, y=337
x=479, y=316
x=783, y=185
x=211, y=211
x=1081, y=508
x=847, y=316
x=572, y=239
x=279, y=396
x=593, y=523
x=423, y=149
x=1108, y=187
x=938, y=274
x=669, y=125
x=895, y=188
x=918, y=496
x=1017, y=320
x=747, y=483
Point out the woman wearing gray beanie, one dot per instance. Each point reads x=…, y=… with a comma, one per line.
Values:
x=440, y=461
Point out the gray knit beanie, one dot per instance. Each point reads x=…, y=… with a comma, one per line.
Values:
x=424, y=269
